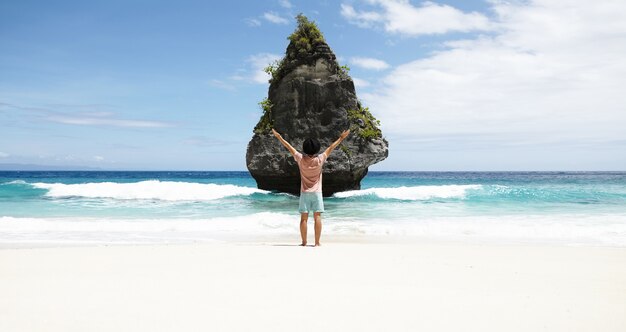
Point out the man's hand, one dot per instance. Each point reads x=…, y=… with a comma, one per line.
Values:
x=345, y=134
x=275, y=133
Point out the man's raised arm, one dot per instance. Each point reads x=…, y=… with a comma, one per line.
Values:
x=285, y=143
x=337, y=142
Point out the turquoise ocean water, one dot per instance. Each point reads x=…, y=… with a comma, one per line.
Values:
x=163, y=207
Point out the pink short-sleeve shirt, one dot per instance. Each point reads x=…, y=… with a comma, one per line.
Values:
x=310, y=172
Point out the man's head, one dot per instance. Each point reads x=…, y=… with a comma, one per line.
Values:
x=311, y=146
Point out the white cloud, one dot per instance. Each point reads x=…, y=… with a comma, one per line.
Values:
x=253, y=22
x=362, y=19
x=98, y=158
x=401, y=17
x=4, y=155
x=87, y=120
x=90, y=115
x=369, y=63
x=285, y=3
x=275, y=18
x=258, y=62
x=552, y=73
x=359, y=83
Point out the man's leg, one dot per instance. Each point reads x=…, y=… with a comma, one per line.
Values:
x=318, y=227
x=304, y=217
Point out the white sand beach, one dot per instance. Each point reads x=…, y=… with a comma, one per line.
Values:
x=342, y=286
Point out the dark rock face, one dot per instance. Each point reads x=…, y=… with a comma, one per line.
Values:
x=311, y=98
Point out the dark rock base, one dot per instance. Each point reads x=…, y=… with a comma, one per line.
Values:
x=331, y=183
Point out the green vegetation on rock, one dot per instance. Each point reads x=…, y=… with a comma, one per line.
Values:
x=364, y=124
x=344, y=69
x=302, y=43
x=272, y=68
x=265, y=124
x=305, y=37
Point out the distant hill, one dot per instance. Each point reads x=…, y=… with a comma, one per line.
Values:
x=33, y=167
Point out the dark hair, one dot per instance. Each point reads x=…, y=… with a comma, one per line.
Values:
x=311, y=146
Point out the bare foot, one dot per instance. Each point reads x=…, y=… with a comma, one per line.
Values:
x=303, y=244
x=318, y=244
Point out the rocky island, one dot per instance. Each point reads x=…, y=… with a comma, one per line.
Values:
x=310, y=95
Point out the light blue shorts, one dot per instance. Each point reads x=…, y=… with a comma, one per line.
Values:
x=311, y=202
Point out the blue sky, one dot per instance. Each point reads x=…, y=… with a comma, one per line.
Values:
x=458, y=85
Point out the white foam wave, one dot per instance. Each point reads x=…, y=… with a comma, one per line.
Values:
x=154, y=189
x=569, y=229
x=563, y=229
x=84, y=230
x=413, y=193
x=15, y=182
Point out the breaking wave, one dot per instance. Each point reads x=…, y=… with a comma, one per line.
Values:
x=153, y=189
x=416, y=193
